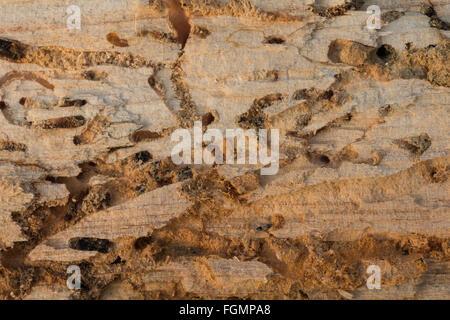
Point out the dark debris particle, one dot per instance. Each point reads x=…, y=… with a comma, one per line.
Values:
x=385, y=110
x=302, y=120
x=252, y=119
x=338, y=10
x=184, y=174
x=390, y=16
x=435, y=21
x=428, y=10
x=12, y=50
x=301, y=94
x=417, y=145
x=76, y=140
x=201, y=32
x=3, y=105
x=140, y=189
x=268, y=100
x=118, y=260
x=264, y=227
x=255, y=118
x=143, y=156
x=72, y=211
x=114, y=149
x=12, y=146
x=158, y=35
x=95, y=201
x=91, y=244
x=438, y=175
x=274, y=40
x=142, y=243
x=94, y=75
x=162, y=172
x=72, y=102
x=326, y=95
x=152, y=81
x=207, y=119
x=273, y=75
x=347, y=117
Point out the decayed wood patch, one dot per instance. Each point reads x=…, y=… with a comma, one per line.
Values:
x=86, y=176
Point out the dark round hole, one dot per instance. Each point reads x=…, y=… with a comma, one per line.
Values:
x=274, y=40
x=50, y=178
x=207, y=119
x=76, y=140
x=324, y=159
x=385, y=52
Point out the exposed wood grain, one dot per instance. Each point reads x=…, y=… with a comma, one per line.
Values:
x=86, y=176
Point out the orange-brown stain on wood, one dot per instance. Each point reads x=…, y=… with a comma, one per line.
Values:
x=24, y=75
x=179, y=21
x=114, y=39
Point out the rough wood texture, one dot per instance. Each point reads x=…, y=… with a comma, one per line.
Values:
x=86, y=176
